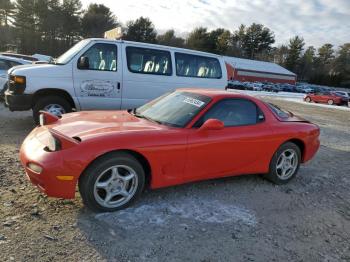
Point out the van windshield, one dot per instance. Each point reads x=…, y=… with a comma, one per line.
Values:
x=68, y=55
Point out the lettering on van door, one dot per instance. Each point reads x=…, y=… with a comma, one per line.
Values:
x=101, y=88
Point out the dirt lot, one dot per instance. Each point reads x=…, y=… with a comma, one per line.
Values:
x=235, y=219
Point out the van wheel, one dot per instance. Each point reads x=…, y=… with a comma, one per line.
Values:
x=53, y=104
x=112, y=182
x=284, y=164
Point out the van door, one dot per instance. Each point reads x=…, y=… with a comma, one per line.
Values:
x=98, y=84
x=147, y=74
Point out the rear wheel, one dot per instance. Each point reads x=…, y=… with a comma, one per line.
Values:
x=330, y=102
x=308, y=99
x=112, y=182
x=284, y=164
x=53, y=104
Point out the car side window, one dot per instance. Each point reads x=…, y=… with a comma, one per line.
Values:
x=234, y=112
x=4, y=65
x=102, y=57
x=188, y=65
x=148, y=61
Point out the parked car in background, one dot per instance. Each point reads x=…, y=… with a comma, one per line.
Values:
x=20, y=56
x=111, y=74
x=271, y=87
x=288, y=88
x=113, y=156
x=325, y=97
x=304, y=89
x=43, y=58
x=342, y=94
x=234, y=84
x=7, y=62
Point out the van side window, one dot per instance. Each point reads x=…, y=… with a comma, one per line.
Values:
x=148, y=61
x=102, y=57
x=234, y=112
x=197, y=66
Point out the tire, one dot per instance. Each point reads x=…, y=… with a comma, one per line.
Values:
x=330, y=102
x=46, y=101
x=101, y=179
x=308, y=99
x=277, y=164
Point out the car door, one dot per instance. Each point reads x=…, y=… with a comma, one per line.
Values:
x=235, y=149
x=99, y=85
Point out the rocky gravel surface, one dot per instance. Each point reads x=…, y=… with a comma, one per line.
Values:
x=234, y=219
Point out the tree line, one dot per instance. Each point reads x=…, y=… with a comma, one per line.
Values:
x=52, y=26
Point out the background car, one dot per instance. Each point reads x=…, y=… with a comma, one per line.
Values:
x=344, y=95
x=233, y=84
x=7, y=62
x=201, y=134
x=324, y=97
x=304, y=89
x=288, y=88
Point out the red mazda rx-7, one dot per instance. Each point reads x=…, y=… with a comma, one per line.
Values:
x=183, y=136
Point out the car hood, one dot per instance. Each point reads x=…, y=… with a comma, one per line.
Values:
x=41, y=70
x=86, y=125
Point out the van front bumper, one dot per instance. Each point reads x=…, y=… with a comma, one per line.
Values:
x=16, y=102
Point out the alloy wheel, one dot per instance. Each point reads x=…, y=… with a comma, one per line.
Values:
x=287, y=163
x=115, y=186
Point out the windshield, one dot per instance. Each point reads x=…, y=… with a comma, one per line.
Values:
x=175, y=109
x=67, y=56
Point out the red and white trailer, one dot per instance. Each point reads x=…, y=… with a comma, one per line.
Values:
x=246, y=70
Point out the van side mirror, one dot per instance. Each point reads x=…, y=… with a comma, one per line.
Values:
x=212, y=124
x=83, y=63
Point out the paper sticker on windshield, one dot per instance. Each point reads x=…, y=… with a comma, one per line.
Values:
x=193, y=101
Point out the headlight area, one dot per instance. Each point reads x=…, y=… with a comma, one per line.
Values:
x=53, y=144
x=53, y=141
x=17, y=84
x=34, y=168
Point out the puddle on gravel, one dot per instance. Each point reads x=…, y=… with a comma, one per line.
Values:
x=161, y=214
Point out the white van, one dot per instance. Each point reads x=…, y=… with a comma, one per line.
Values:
x=111, y=74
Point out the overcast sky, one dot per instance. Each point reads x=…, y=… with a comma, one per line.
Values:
x=318, y=21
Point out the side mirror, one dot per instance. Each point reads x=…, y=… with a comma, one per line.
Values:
x=83, y=63
x=212, y=124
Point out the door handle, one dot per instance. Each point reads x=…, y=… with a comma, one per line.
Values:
x=118, y=85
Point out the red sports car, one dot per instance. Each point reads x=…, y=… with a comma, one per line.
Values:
x=184, y=136
x=325, y=97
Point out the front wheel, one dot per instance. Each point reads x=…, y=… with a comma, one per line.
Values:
x=112, y=182
x=308, y=99
x=53, y=104
x=330, y=102
x=284, y=164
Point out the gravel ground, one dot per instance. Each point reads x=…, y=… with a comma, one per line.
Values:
x=234, y=219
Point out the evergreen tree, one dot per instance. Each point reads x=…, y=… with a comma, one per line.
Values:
x=170, y=39
x=295, y=48
x=141, y=30
x=96, y=20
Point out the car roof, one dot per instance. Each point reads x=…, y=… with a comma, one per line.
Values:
x=214, y=93
x=14, y=59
